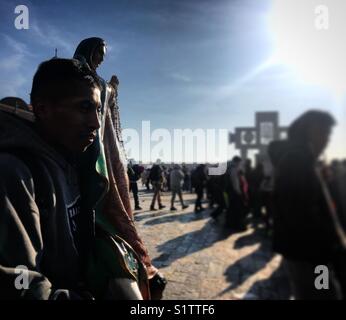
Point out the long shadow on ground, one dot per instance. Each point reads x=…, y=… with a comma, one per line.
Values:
x=275, y=287
x=191, y=242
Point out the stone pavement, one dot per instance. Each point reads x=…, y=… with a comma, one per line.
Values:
x=203, y=260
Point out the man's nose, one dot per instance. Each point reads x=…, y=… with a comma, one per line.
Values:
x=94, y=120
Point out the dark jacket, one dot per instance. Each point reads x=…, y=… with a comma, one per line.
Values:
x=42, y=225
x=134, y=172
x=199, y=177
x=156, y=173
x=303, y=228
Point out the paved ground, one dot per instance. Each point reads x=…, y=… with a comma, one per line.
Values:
x=202, y=260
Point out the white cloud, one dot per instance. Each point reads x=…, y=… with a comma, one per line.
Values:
x=11, y=67
x=11, y=86
x=15, y=45
x=49, y=36
x=180, y=77
x=13, y=62
x=18, y=52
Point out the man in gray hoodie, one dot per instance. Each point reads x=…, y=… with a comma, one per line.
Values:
x=176, y=180
x=44, y=234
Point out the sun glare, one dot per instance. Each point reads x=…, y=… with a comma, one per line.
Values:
x=316, y=54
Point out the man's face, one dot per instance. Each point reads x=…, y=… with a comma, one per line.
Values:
x=73, y=121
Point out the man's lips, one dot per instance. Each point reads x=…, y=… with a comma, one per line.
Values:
x=89, y=136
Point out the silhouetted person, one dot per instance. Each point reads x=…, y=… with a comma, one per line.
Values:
x=306, y=232
x=336, y=179
x=157, y=179
x=217, y=183
x=235, y=218
x=199, y=180
x=134, y=172
x=342, y=182
x=266, y=196
x=255, y=190
x=187, y=178
x=145, y=179
x=248, y=172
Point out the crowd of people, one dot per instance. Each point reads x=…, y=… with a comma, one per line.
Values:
x=241, y=192
x=300, y=201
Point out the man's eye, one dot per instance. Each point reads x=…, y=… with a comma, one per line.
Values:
x=90, y=107
x=84, y=108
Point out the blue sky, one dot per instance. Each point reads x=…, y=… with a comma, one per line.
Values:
x=182, y=63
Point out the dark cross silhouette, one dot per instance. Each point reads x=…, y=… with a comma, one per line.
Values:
x=258, y=137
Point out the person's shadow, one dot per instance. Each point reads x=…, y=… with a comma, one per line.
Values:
x=190, y=243
x=238, y=272
x=180, y=217
x=166, y=215
x=276, y=287
x=143, y=215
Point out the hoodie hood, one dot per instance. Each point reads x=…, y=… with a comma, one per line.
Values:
x=17, y=133
x=277, y=150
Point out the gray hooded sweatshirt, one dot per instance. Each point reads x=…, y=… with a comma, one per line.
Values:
x=39, y=215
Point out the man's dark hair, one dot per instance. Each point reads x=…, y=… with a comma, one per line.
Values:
x=299, y=129
x=55, y=76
